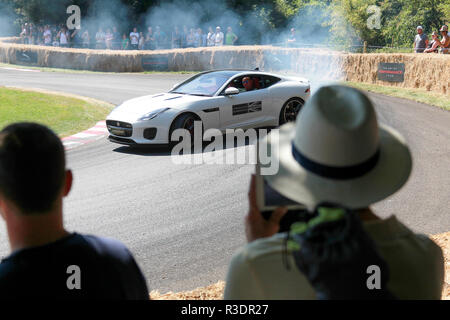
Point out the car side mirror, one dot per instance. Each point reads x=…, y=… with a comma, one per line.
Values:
x=175, y=86
x=232, y=91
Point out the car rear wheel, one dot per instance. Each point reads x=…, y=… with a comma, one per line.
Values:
x=290, y=110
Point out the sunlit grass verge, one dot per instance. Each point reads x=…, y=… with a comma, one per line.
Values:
x=63, y=114
x=419, y=95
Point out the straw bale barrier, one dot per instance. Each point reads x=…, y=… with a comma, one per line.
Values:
x=426, y=71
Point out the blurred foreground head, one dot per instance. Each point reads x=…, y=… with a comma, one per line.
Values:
x=337, y=152
x=32, y=167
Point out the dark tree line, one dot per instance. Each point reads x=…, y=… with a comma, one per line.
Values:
x=317, y=21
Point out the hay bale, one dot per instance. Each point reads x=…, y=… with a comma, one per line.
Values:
x=427, y=71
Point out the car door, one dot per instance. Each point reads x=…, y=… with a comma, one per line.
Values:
x=244, y=110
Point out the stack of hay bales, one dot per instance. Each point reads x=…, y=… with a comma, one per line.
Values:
x=427, y=71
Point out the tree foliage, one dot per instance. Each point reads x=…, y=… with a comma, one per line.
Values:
x=318, y=21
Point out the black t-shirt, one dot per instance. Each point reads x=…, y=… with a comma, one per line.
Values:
x=102, y=268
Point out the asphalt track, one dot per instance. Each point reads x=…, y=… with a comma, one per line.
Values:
x=183, y=222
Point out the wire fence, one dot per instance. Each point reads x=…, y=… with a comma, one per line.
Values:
x=125, y=45
x=358, y=48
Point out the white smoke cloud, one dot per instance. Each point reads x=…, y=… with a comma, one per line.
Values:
x=7, y=17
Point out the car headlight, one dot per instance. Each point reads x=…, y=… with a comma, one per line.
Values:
x=153, y=114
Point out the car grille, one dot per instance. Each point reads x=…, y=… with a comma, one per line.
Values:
x=119, y=128
x=121, y=140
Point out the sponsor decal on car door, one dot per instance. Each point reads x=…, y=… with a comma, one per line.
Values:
x=243, y=110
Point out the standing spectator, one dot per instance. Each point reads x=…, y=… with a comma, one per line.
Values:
x=116, y=39
x=31, y=34
x=125, y=44
x=219, y=37
x=55, y=41
x=47, y=36
x=198, y=38
x=176, y=38
x=40, y=36
x=134, y=39
x=445, y=42
x=292, y=38
x=420, y=41
x=190, y=39
x=100, y=38
x=160, y=38
x=203, y=37
x=184, y=36
x=210, y=38
x=141, y=41
x=63, y=37
x=356, y=163
x=47, y=261
x=149, y=40
x=75, y=38
x=434, y=44
x=231, y=37
x=109, y=37
x=24, y=34
x=86, y=39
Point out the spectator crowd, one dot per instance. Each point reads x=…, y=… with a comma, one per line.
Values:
x=422, y=44
x=154, y=38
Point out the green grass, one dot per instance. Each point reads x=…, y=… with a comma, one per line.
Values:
x=64, y=115
x=419, y=95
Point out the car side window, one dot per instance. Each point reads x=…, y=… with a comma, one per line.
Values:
x=254, y=82
x=270, y=81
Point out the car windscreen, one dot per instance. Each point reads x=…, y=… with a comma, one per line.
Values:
x=204, y=85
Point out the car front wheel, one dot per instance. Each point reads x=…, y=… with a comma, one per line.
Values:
x=184, y=121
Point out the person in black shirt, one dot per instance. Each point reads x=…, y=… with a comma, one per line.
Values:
x=48, y=262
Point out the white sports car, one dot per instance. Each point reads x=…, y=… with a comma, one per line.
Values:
x=224, y=99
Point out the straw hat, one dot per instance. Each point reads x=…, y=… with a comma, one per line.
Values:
x=336, y=152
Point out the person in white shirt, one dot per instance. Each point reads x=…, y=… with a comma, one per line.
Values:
x=108, y=39
x=100, y=39
x=63, y=38
x=141, y=41
x=218, y=39
x=134, y=39
x=47, y=36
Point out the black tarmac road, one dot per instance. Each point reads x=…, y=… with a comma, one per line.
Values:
x=183, y=222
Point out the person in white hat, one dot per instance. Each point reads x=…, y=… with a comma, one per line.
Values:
x=336, y=153
x=445, y=41
x=420, y=41
x=219, y=37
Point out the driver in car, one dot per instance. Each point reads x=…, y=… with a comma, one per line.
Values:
x=248, y=84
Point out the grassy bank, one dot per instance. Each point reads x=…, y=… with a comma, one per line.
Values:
x=65, y=115
x=418, y=95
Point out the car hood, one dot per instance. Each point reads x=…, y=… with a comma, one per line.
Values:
x=136, y=108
